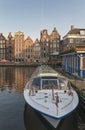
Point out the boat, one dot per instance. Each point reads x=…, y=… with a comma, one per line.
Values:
x=51, y=95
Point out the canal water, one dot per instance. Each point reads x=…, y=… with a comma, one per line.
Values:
x=15, y=114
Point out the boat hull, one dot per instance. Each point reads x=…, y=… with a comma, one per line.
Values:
x=52, y=121
x=51, y=95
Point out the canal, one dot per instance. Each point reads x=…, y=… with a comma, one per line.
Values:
x=15, y=114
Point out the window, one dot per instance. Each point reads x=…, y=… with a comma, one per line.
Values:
x=44, y=49
x=54, y=35
x=0, y=41
x=54, y=45
x=82, y=32
x=71, y=40
x=1, y=46
x=44, y=55
x=77, y=40
x=28, y=56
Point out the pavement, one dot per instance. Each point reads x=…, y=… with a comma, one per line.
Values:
x=76, y=81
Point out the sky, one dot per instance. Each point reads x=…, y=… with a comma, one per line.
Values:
x=32, y=16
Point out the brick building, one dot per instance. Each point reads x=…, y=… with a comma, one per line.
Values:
x=10, y=47
x=2, y=47
x=19, y=46
x=28, y=50
x=37, y=51
x=49, y=44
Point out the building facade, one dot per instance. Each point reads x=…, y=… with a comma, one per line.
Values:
x=37, y=51
x=10, y=47
x=44, y=43
x=28, y=50
x=19, y=46
x=2, y=47
x=49, y=44
x=73, y=52
x=54, y=41
x=75, y=37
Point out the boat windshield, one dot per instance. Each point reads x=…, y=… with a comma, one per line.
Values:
x=49, y=83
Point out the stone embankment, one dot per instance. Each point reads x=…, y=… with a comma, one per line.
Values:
x=79, y=85
x=14, y=64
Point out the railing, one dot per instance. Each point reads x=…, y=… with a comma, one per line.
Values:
x=73, y=47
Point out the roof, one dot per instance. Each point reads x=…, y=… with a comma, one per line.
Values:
x=29, y=39
x=2, y=37
x=75, y=31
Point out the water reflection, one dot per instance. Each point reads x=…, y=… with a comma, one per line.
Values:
x=12, y=83
x=14, y=78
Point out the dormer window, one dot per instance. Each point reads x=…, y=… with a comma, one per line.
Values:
x=82, y=32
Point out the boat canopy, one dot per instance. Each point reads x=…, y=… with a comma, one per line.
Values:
x=49, y=82
x=47, y=78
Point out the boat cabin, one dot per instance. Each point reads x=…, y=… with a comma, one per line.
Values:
x=49, y=82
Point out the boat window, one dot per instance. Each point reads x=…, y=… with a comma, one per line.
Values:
x=36, y=82
x=62, y=83
x=49, y=82
x=45, y=82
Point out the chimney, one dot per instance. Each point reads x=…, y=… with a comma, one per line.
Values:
x=72, y=27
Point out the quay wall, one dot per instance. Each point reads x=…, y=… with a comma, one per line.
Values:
x=19, y=64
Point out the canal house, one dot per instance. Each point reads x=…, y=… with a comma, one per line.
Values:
x=73, y=52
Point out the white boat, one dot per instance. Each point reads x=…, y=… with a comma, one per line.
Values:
x=50, y=94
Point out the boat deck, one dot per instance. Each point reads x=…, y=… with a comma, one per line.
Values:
x=42, y=101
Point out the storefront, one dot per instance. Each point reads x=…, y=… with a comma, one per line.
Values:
x=74, y=62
